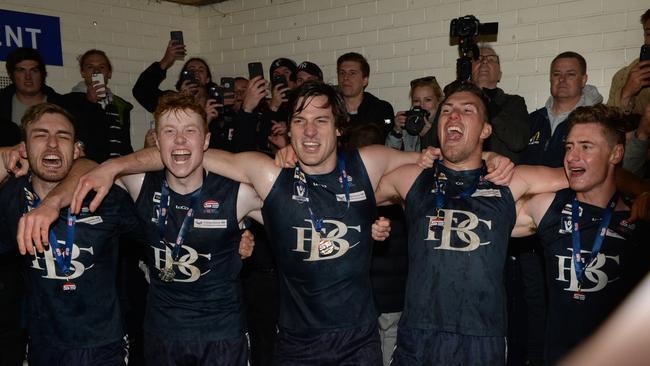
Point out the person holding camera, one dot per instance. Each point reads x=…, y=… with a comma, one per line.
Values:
x=410, y=125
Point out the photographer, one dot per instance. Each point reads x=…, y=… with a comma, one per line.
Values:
x=425, y=95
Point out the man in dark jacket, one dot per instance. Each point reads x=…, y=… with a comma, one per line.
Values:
x=353, y=72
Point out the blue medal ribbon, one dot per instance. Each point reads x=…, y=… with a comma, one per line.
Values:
x=185, y=226
x=579, y=264
x=440, y=186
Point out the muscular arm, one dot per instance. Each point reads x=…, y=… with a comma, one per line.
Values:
x=530, y=211
x=395, y=185
x=534, y=179
x=381, y=160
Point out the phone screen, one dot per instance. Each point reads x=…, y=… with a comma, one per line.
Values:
x=255, y=69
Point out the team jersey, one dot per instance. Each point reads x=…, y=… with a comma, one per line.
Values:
x=621, y=262
x=457, y=255
x=78, y=310
x=203, y=300
x=324, y=274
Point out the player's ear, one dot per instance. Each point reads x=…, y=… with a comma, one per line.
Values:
x=616, y=156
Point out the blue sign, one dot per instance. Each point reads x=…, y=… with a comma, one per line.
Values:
x=40, y=32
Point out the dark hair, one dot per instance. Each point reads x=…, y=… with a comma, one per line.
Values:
x=356, y=57
x=314, y=88
x=645, y=17
x=21, y=54
x=466, y=86
x=35, y=112
x=364, y=135
x=239, y=78
x=575, y=55
x=91, y=52
x=179, y=82
x=610, y=118
x=175, y=102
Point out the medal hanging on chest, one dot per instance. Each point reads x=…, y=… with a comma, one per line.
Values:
x=437, y=222
x=579, y=262
x=167, y=273
x=326, y=247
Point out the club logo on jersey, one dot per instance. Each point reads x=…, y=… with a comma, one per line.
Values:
x=601, y=271
x=186, y=267
x=210, y=207
x=300, y=192
x=456, y=230
x=324, y=246
x=566, y=223
x=78, y=265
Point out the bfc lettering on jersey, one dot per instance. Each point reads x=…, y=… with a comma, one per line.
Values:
x=595, y=277
x=81, y=257
x=189, y=262
x=456, y=230
x=308, y=239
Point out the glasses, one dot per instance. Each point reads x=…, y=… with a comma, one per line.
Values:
x=426, y=79
x=490, y=59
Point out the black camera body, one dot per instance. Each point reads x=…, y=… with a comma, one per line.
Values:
x=415, y=119
x=466, y=29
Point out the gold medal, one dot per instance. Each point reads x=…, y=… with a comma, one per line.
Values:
x=166, y=274
x=325, y=247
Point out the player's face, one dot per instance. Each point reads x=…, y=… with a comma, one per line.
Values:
x=567, y=80
x=423, y=97
x=182, y=139
x=462, y=127
x=303, y=76
x=95, y=64
x=313, y=136
x=351, y=79
x=589, y=157
x=200, y=71
x=50, y=148
x=28, y=78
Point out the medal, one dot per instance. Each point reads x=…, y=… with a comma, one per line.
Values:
x=166, y=274
x=579, y=295
x=325, y=247
x=69, y=287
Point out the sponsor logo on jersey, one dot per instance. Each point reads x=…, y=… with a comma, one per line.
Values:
x=596, y=276
x=90, y=220
x=456, y=230
x=354, y=196
x=210, y=224
x=487, y=193
x=210, y=207
x=337, y=234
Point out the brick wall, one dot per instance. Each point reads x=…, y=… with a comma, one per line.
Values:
x=402, y=39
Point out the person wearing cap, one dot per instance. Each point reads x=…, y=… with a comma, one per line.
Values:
x=308, y=71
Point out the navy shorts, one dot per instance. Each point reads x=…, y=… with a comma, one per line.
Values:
x=226, y=352
x=357, y=346
x=112, y=354
x=428, y=347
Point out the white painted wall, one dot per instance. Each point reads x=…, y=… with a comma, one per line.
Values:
x=402, y=39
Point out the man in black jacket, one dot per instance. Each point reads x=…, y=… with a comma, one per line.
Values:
x=353, y=72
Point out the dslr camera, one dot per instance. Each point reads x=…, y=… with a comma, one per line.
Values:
x=415, y=119
x=466, y=29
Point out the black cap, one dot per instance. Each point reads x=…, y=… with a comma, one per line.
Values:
x=311, y=68
x=288, y=63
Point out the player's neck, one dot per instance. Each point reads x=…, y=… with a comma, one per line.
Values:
x=471, y=163
x=187, y=184
x=325, y=167
x=42, y=188
x=598, y=196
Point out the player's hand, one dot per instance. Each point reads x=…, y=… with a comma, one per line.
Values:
x=286, y=157
x=246, y=244
x=34, y=228
x=381, y=229
x=428, y=156
x=14, y=162
x=640, y=208
x=500, y=169
x=99, y=180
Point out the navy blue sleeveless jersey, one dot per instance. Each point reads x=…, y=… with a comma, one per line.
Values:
x=455, y=280
x=622, y=261
x=328, y=289
x=203, y=303
x=89, y=316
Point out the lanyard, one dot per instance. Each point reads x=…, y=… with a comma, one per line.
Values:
x=343, y=176
x=598, y=241
x=62, y=252
x=440, y=186
x=162, y=218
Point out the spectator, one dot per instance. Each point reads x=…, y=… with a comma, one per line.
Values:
x=636, y=147
x=308, y=71
x=241, y=83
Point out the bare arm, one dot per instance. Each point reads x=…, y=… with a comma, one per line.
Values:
x=530, y=211
x=394, y=186
x=380, y=160
x=534, y=179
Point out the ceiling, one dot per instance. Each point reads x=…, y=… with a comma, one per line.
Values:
x=195, y=2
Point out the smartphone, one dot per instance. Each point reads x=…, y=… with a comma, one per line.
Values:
x=645, y=53
x=101, y=92
x=228, y=84
x=188, y=75
x=279, y=80
x=255, y=69
x=216, y=93
x=177, y=36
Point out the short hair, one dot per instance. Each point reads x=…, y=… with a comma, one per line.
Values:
x=459, y=86
x=645, y=17
x=35, y=112
x=356, y=57
x=179, y=82
x=315, y=88
x=570, y=54
x=427, y=81
x=364, y=135
x=82, y=58
x=175, y=102
x=241, y=78
x=21, y=54
x=610, y=118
